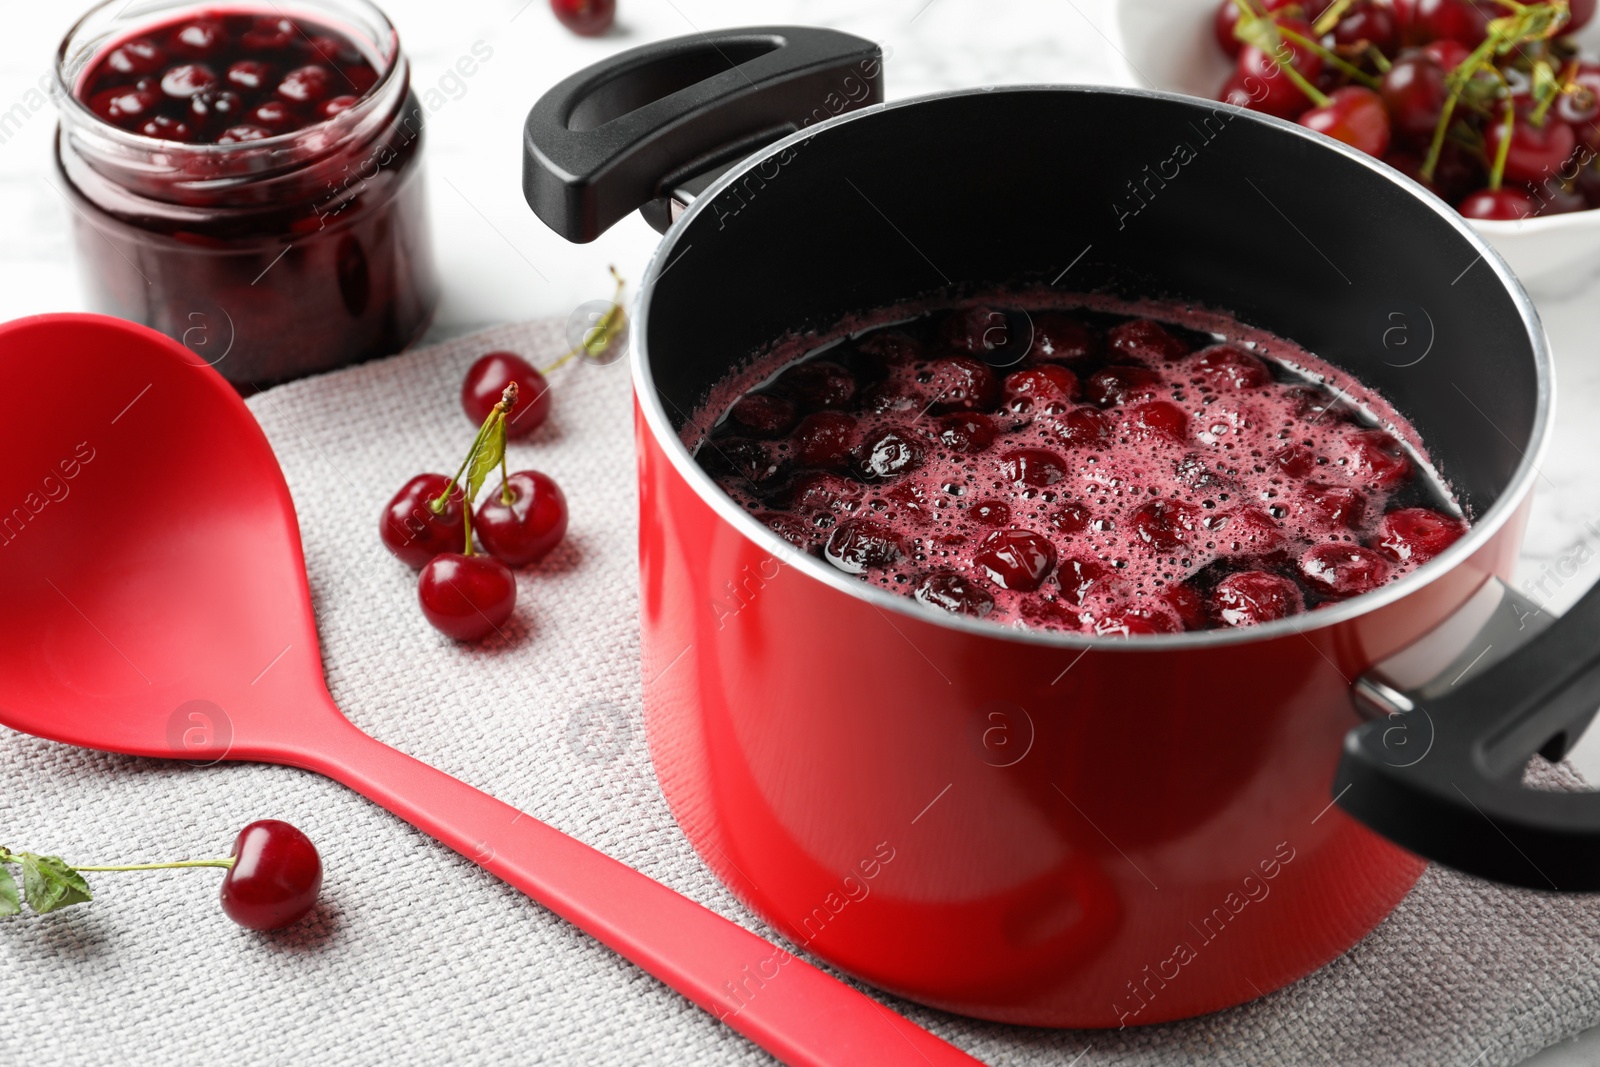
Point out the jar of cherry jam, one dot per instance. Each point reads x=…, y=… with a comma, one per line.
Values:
x=247, y=179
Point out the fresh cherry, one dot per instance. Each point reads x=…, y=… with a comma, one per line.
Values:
x=466, y=597
x=413, y=531
x=1416, y=535
x=1355, y=116
x=1367, y=23
x=1342, y=570
x=1014, y=559
x=1448, y=53
x=1535, y=152
x=523, y=529
x=275, y=877
x=1458, y=20
x=1250, y=598
x=1227, y=17
x=955, y=593
x=586, y=18
x=487, y=379
x=1497, y=205
x=1414, y=93
x=1281, y=96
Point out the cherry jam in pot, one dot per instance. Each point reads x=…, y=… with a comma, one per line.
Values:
x=247, y=179
x=1079, y=469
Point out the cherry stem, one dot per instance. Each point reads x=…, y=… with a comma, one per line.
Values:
x=1379, y=60
x=1498, y=170
x=161, y=866
x=507, y=497
x=507, y=401
x=1315, y=95
x=1330, y=18
x=604, y=328
x=1329, y=56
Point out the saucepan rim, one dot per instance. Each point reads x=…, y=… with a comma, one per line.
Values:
x=1510, y=499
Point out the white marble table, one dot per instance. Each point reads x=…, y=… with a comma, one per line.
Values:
x=499, y=263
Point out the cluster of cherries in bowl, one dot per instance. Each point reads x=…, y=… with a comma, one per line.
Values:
x=1123, y=476
x=430, y=523
x=225, y=78
x=1486, y=102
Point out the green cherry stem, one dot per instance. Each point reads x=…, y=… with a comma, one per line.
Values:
x=1497, y=171
x=228, y=863
x=597, y=338
x=438, y=502
x=1332, y=58
x=507, y=401
x=1315, y=95
x=1330, y=18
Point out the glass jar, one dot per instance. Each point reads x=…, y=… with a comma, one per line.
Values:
x=269, y=259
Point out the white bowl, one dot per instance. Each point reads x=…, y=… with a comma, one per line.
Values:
x=1169, y=44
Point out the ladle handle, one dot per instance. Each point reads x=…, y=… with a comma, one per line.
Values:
x=793, y=1010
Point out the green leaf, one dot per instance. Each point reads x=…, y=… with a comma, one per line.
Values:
x=491, y=450
x=9, y=903
x=49, y=884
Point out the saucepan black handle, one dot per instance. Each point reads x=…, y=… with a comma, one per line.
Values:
x=620, y=134
x=1444, y=779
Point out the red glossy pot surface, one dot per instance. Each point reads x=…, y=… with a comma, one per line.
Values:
x=1116, y=835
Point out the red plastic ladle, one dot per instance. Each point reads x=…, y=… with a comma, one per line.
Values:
x=156, y=605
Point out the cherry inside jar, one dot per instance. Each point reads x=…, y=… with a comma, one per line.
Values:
x=247, y=179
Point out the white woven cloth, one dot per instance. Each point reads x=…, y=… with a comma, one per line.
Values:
x=415, y=955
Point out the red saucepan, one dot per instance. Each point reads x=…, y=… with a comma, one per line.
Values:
x=1038, y=827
